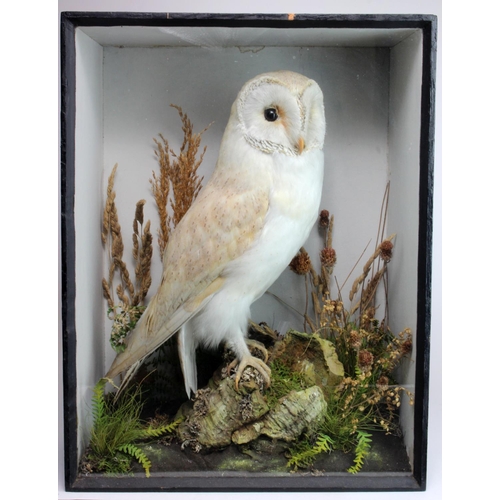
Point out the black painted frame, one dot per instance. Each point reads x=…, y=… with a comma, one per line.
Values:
x=415, y=481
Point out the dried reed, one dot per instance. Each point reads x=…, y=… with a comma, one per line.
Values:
x=178, y=182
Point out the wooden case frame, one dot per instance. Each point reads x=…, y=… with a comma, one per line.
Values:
x=416, y=480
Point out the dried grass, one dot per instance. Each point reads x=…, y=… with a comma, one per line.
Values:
x=142, y=253
x=368, y=398
x=111, y=235
x=177, y=180
x=177, y=184
x=369, y=287
x=366, y=284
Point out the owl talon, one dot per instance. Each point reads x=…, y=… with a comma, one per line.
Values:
x=255, y=344
x=254, y=362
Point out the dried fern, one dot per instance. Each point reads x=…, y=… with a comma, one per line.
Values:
x=98, y=403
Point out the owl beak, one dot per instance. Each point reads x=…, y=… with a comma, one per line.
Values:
x=301, y=145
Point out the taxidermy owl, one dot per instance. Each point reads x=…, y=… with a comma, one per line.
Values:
x=242, y=230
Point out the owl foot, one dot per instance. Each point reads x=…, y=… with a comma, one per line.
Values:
x=255, y=344
x=254, y=362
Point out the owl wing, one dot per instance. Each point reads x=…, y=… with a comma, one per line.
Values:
x=223, y=222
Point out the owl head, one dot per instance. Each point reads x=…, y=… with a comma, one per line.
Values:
x=282, y=112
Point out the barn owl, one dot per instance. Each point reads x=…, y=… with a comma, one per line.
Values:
x=242, y=230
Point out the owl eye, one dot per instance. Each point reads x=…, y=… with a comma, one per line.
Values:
x=271, y=114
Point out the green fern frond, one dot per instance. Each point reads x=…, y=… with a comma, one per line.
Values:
x=138, y=454
x=98, y=402
x=117, y=426
x=362, y=449
x=306, y=457
x=158, y=431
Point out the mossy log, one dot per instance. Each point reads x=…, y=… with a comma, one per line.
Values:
x=217, y=411
x=220, y=415
x=294, y=413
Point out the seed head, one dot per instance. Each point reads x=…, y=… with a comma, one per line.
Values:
x=301, y=263
x=365, y=360
x=406, y=346
x=386, y=250
x=328, y=257
x=383, y=383
x=354, y=339
x=324, y=219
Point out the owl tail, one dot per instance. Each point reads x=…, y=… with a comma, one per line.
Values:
x=187, y=356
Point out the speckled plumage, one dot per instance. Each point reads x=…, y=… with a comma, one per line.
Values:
x=243, y=229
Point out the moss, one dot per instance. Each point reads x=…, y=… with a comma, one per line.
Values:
x=302, y=360
x=283, y=380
